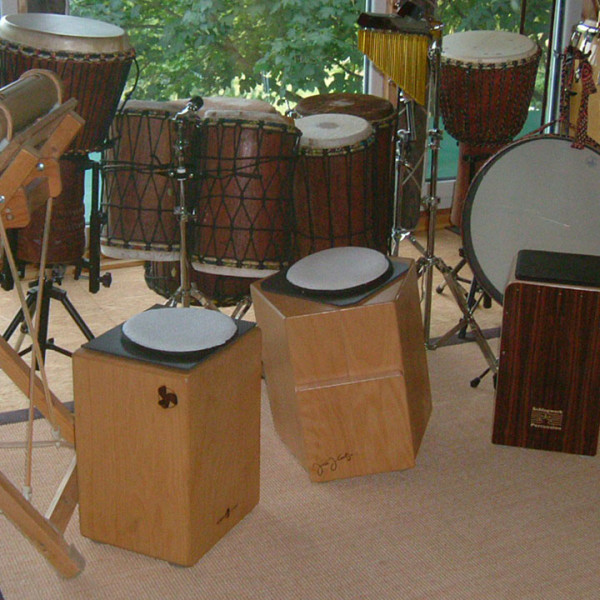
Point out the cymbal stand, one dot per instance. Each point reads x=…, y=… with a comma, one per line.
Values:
x=429, y=261
x=182, y=174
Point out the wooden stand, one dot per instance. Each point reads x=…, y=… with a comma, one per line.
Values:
x=168, y=480
x=348, y=387
x=29, y=177
x=549, y=374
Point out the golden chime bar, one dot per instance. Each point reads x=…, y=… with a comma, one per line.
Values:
x=399, y=47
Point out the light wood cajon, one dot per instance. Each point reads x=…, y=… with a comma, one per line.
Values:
x=348, y=386
x=162, y=479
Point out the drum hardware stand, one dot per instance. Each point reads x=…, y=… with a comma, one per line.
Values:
x=181, y=173
x=96, y=222
x=49, y=292
x=429, y=260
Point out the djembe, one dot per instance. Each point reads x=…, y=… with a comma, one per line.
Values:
x=486, y=85
x=93, y=59
x=382, y=116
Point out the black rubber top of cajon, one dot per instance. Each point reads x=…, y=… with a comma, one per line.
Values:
x=558, y=267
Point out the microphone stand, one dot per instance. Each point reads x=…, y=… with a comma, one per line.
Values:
x=182, y=174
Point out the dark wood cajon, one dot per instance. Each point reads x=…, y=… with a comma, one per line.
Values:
x=548, y=391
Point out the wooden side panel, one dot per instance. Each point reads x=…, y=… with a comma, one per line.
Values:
x=348, y=343
x=356, y=428
x=414, y=357
x=225, y=441
x=548, y=394
x=278, y=369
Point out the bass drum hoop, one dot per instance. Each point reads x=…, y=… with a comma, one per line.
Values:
x=469, y=247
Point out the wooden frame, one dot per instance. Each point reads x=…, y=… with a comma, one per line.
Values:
x=30, y=176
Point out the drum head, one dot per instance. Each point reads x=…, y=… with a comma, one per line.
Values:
x=246, y=115
x=231, y=103
x=179, y=330
x=536, y=194
x=487, y=47
x=333, y=131
x=369, y=107
x=338, y=269
x=78, y=35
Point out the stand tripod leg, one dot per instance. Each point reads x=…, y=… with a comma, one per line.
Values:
x=19, y=318
x=467, y=319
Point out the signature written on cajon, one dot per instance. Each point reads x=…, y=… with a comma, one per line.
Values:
x=331, y=464
x=227, y=514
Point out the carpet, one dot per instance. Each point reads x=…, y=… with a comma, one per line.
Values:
x=472, y=521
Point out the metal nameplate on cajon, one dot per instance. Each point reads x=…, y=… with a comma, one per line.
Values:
x=168, y=424
x=549, y=372
x=344, y=361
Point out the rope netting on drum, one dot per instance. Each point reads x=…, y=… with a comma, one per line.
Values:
x=139, y=192
x=333, y=199
x=242, y=195
x=486, y=103
x=95, y=80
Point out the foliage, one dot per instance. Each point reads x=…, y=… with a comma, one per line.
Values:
x=266, y=48
x=273, y=49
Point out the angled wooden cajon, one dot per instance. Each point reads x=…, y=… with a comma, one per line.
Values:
x=163, y=479
x=348, y=386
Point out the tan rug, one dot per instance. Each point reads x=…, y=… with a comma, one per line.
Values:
x=471, y=521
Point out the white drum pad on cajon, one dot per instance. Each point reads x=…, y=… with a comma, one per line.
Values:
x=338, y=269
x=179, y=330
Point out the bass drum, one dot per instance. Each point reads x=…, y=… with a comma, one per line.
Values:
x=539, y=193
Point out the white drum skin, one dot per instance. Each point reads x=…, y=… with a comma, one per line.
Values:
x=63, y=33
x=487, y=47
x=333, y=130
x=536, y=194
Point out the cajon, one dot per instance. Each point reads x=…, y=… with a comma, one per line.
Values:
x=168, y=449
x=548, y=391
x=348, y=385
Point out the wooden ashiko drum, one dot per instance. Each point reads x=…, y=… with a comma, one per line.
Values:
x=383, y=117
x=334, y=203
x=140, y=197
x=486, y=84
x=92, y=58
x=241, y=227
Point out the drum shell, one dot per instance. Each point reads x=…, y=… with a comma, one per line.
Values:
x=486, y=103
x=334, y=198
x=242, y=198
x=164, y=279
x=95, y=80
x=66, y=242
x=139, y=194
x=384, y=118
